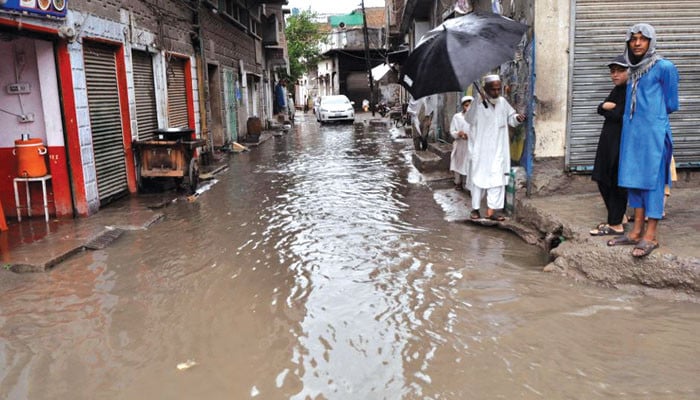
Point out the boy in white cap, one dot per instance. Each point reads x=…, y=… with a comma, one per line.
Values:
x=490, y=155
x=459, y=160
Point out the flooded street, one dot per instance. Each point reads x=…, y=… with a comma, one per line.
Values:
x=319, y=266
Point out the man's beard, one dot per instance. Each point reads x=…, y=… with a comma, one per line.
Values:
x=634, y=59
x=493, y=100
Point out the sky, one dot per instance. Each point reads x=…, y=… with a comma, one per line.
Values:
x=332, y=6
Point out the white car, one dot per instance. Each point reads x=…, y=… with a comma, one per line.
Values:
x=335, y=108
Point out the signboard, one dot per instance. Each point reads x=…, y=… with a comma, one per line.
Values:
x=46, y=8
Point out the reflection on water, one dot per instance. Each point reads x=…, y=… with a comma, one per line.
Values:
x=319, y=268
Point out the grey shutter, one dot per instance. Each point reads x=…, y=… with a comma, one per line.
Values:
x=146, y=111
x=105, y=120
x=599, y=35
x=177, y=97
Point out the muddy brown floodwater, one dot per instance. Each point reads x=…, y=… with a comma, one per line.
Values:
x=320, y=267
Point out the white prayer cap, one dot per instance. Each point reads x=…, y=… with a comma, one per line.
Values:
x=492, y=78
x=465, y=99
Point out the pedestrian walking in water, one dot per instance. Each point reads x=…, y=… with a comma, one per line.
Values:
x=459, y=160
x=422, y=112
x=490, y=157
x=646, y=146
x=607, y=155
x=281, y=99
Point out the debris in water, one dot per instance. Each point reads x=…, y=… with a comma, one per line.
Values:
x=238, y=148
x=186, y=365
x=201, y=190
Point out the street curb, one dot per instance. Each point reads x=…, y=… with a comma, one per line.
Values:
x=577, y=254
x=69, y=248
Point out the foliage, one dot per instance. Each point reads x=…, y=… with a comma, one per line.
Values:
x=303, y=39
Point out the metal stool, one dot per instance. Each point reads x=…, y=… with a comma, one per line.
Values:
x=43, y=180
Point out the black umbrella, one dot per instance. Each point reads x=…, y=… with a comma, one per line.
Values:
x=458, y=52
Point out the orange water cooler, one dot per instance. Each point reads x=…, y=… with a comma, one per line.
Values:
x=30, y=154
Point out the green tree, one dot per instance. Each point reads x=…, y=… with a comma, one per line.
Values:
x=303, y=39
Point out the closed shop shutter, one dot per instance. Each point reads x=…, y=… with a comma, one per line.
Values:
x=599, y=35
x=357, y=85
x=146, y=112
x=177, y=95
x=105, y=120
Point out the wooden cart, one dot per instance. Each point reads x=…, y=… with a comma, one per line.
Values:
x=175, y=159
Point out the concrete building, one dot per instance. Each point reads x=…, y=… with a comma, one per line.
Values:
x=344, y=68
x=97, y=76
x=559, y=74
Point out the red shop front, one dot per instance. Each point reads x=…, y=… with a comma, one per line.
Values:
x=37, y=103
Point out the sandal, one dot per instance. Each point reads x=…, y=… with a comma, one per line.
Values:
x=496, y=217
x=646, y=247
x=605, y=229
x=623, y=240
x=475, y=214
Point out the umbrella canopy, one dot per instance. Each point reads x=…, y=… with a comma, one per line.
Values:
x=458, y=52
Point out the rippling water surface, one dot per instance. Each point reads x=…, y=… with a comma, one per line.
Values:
x=320, y=267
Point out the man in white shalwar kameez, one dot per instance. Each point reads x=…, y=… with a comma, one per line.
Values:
x=490, y=156
x=422, y=111
x=459, y=160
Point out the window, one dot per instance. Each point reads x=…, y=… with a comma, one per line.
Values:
x=254, y=27
x=237, y=12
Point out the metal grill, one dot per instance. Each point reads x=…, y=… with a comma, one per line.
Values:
x=177, y=95
x=146, y=111
x=598, y=36
x=105, y=120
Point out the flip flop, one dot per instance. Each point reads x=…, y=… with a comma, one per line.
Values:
x=496, y=217
x=623, y=240
x=646, y=246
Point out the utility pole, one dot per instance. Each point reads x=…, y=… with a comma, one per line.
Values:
x=372, y=105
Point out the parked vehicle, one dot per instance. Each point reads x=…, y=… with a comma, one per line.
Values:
x=399, y=114
x=383, y=109
x=335, y=108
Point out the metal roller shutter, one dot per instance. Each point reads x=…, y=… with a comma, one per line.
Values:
x=598, y=35
x=357, y=87
x=146, y=112
x=177, y=95
x=105, y=122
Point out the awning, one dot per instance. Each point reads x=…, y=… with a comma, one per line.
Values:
x=385, y=73
x=380, y=70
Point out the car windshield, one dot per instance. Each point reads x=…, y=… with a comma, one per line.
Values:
x=335, y=100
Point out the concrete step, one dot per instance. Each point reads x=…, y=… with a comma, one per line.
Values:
x=444, y=150
x=427, y=161
x=377, y=123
